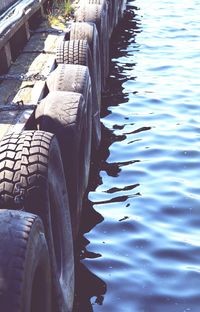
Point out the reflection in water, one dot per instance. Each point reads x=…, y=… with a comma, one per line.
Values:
x=123, y=35
x=88, y=285
x=90, y=216
x=145, y=178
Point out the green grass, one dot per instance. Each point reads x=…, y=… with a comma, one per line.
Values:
x=61, y=10
x=64, y=7
x=67, y=7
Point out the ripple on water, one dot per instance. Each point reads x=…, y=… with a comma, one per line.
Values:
x=147, y=247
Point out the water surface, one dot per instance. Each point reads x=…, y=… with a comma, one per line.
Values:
x=142, y=254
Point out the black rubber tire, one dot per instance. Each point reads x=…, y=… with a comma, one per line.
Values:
x=108, y=6
x=76, y=78
x=88, y=32
x=97, y=14
x=71, y=52
x=76, y=52
x=122, y=6
x=66, y=52
x=64, y=113
x=33, y=180
x=113, y=14
x=24, y=264
x=115, y=7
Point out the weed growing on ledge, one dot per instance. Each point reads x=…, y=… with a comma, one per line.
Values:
x=67, y=7
x=59, y=13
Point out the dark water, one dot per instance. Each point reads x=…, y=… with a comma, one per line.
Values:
x=143, y=255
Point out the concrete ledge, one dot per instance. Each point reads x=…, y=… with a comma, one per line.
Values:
x=5, y=4
x=15, y=32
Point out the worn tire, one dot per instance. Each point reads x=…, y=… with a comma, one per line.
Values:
x=64, y=113
x=122, y=7
x=76, y=78
x=24, y=264
x=77, y=52
x=115, y=12
x=32, y=179
x=97, y=14
x=88, y=32
x=71, y=52
x=66, y=51
x=108, y=6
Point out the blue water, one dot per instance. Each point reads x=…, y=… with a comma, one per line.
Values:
x=143, y=255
